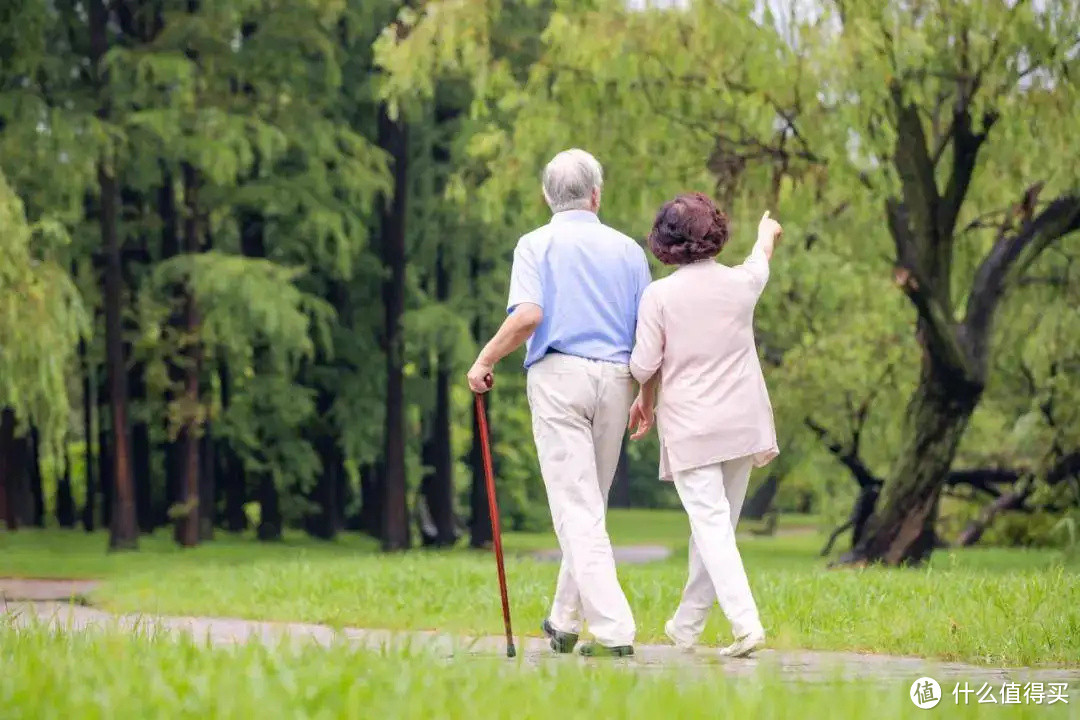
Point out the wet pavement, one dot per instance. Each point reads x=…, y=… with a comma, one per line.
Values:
x=793, y=665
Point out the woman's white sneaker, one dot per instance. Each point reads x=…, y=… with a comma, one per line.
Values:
x=745, y=645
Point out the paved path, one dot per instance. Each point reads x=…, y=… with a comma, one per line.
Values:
x=40, y=590
x=624, y=554
x=787, y=664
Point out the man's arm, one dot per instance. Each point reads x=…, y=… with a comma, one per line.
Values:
x=515, y=330
x=526, y=310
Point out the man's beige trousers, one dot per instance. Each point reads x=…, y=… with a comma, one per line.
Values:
x=579, y=413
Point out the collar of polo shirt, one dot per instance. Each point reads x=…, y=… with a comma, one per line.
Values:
x=575, y=216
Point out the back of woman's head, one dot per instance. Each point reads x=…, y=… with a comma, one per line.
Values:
x=687, y=229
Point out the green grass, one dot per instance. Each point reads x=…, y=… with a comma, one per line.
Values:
x=103, y=674
x=626, y=527
x=994, y=606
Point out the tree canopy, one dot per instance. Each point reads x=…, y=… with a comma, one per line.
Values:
x=281, y=230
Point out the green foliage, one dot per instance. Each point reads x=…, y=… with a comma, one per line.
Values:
x=243, y=303
x=795, y=114
x=41, y=319
x=268, y=110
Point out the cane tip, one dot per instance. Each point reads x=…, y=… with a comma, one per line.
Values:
x=510, y=651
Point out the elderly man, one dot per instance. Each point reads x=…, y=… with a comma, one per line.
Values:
x=575, y=286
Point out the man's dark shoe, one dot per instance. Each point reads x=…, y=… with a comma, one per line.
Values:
x=597, y=650
x=561, y=642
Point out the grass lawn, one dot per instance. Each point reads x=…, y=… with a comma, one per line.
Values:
x=992, y=606
x=100, y=674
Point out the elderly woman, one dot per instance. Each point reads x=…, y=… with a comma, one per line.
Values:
x=695, y=341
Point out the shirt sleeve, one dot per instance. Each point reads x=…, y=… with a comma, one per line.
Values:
x=526, y=285
x=644, y=277
x=648, y=351
x=756, y=266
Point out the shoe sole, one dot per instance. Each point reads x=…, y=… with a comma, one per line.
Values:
x=600, y=651
x=741, y=655
x=746, y=652
x=563, y=646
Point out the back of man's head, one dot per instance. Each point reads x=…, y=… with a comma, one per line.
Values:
x=572, y=181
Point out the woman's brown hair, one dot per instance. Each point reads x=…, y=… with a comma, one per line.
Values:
x=687, y=229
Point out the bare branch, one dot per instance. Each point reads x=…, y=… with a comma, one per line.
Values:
x=1065, y=468
x=983, y=479
x=846, y=455
x=916, y=172
x=937, y=324
x=1010, y=256
x=847, y=525
x=965, y=144
x=1013, y=500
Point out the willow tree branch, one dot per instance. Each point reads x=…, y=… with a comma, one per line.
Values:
x=1009, y=257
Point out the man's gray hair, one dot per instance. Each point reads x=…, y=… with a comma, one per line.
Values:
x=569, y=180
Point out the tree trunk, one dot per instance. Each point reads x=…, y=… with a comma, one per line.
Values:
x=187, y=521
x=441, y=500
x=861, y=512
x=438, y=485
x=37, y=490
x=232, y=469
x=619, y=497
x=187, y=518
x=761, y=501
x=235, y=486
x=207, y=489
x=135, y=255
x=7, y=450
x=901, y=530
x=123, y=530
x=323, y=524
x=20, y=494
x=174, y=473
x=253, y=245
x=371, y=504
x=104, y=456
x=89, y=403
x=269, y=509
x=170, y=248
x=480, y=517
x=325, y=521
x=65, y=502
x=393, y=138
x=344, y=492
x=140, y=451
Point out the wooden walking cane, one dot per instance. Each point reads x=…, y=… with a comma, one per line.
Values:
x=493, y=511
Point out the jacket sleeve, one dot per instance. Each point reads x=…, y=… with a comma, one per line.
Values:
x=648, y=351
